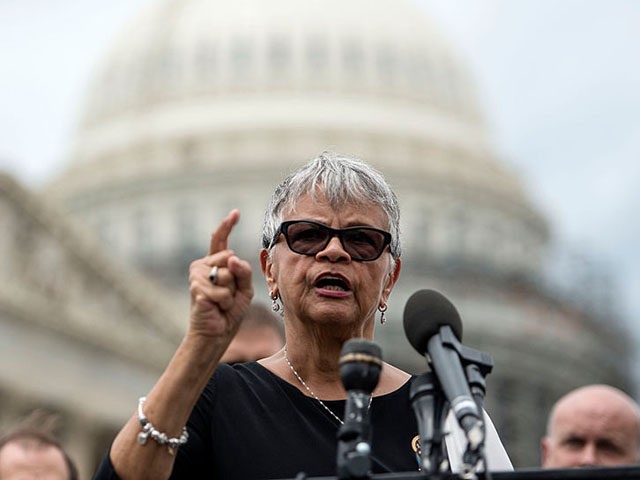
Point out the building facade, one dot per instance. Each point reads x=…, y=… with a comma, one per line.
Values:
x=82, y=336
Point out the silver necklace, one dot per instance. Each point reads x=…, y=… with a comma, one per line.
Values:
x=304, y=384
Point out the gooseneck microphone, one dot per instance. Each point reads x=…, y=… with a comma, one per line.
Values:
x=360, y=366
x=433, y=327
x=429, y=319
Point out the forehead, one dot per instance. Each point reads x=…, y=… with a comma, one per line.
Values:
x=351, y=212
x=605, y=420
x=16, y=459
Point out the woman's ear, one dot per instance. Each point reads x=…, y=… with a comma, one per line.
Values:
x=267, y=268
x=393, y=276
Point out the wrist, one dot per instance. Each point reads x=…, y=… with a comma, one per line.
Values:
x=199, y=354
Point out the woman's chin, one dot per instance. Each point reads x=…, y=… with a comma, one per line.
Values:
x=335, y=314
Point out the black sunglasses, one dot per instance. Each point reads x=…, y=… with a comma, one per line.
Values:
x=308, y=238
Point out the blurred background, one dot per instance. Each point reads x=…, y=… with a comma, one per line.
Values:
x=129, y=128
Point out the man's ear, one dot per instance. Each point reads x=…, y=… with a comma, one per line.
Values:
x=544, y=451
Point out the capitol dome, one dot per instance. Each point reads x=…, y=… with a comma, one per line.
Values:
x=203, y=106
x=222, y=98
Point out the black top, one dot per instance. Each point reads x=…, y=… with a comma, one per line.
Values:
x=251, y=424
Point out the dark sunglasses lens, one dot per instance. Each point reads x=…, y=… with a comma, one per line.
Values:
x=306, y=238
x=363, y=244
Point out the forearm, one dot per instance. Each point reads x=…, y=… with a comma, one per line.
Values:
x=217, y=308
x=168, y=407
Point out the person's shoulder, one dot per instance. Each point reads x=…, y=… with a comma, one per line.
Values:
x=238, y=372
x=236, y=383
x=234, y=378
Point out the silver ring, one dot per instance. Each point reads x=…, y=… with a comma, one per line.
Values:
x=213, y=274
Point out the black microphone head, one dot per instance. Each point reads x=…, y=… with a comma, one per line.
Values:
x=425, y=312
x=360, y=364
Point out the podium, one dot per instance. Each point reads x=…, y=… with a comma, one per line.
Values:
x=631, y=472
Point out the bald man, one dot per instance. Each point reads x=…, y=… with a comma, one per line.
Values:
x=29, y=454
x=592, y=425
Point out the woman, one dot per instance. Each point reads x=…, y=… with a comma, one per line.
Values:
x=330, y=257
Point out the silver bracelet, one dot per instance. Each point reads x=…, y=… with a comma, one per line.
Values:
x=148, y=430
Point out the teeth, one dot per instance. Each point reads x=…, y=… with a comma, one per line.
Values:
x=330, y=283
x=334, y=287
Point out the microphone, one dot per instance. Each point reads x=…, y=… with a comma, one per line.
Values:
x=360, y=366
x=433, y=327
x=428, y=403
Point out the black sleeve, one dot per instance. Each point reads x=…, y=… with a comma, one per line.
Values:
x=105, y=470
x=194, y=460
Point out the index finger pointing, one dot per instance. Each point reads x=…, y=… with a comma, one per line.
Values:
x=220, y=236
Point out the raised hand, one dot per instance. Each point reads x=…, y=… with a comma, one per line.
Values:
x=218, y=308
x=216, y=312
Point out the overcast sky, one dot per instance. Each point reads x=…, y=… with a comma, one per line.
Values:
x=561, y=86
x=560, y=82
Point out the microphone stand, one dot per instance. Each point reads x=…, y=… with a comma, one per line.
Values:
x=430, y=407
x=477, y=384
x=360, y=365
x=354, y=441
x=477, y=365
x=478, y=388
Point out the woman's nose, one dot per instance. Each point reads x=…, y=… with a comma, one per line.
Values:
x=334, y=250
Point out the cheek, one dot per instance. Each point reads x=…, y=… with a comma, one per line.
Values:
x=385, y=276
x=289, y=275
x=372, y=284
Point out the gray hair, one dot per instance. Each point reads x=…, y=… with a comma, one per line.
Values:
x=341, y=179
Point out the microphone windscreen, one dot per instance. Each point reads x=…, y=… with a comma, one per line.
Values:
x=424, y=313
x=360, y=345
x=360, y=364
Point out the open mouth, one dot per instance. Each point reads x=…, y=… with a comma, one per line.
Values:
x=330, y=282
